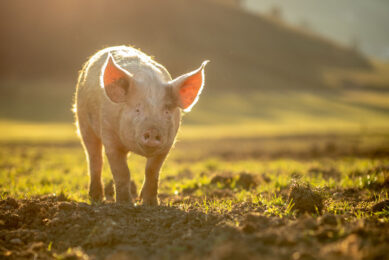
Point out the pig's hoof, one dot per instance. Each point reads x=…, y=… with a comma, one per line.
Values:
x=124, y=198
x=96, y=198
x=150, y=201
x=96, y=193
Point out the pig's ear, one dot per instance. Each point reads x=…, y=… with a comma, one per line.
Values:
x=188, y=87
x=115, y=80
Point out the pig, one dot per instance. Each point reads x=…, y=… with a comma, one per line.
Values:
x=127, y=102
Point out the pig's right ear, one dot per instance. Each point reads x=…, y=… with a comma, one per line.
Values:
x=115, y=81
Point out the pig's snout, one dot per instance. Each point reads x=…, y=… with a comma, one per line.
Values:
x=151, y=139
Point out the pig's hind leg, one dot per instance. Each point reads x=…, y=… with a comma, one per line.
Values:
x=94, y=153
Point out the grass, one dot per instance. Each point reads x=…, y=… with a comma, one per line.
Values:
x=22, y=131
x=27, y=171
x=206, y=198
x=237, y=167
x=262, y=124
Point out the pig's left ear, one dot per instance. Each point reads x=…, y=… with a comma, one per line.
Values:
x=188, y=87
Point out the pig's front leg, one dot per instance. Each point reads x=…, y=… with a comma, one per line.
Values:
x=150, y=185
x=121, y=174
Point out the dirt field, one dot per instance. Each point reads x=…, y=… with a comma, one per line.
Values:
x=50, y=226
x=325, y=206
x=295, y=164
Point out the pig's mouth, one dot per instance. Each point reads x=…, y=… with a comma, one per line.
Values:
x=150, y=151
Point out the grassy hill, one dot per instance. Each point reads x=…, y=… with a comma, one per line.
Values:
x=262, y=75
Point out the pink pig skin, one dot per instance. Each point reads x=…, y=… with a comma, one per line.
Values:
x=126, y=102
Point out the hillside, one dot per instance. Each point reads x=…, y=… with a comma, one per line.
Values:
x=51, y=38
x=259, y=69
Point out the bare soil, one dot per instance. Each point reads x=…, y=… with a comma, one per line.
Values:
x=54, y=227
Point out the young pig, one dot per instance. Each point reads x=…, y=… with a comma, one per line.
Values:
x=127, y=102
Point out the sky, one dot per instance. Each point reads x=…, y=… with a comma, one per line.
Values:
x=349, y=22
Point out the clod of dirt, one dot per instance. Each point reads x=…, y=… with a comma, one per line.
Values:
x=305, y=199
x=246, y=181
x=64, y=205
x=329, y=219
x=351, y=192
x=190, y=190
x=9, y=220
x=62, y=197
x=109, y=190
x=380, y=206
x=223, y=180
x=9, y=203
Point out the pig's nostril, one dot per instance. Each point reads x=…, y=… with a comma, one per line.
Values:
x=146, y=136
x=151, y=139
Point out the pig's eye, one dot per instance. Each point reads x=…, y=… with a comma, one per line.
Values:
x=168, y=113
x=137, y=110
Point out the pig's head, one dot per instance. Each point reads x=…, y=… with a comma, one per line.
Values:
x=150, y=104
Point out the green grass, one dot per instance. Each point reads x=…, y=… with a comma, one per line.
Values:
x=25, y=131
x=329, y=139
x=349, y=184
x=31, y=170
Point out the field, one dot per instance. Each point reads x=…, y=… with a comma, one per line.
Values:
x=285, y=156
x=269, y=175
x=287, y=197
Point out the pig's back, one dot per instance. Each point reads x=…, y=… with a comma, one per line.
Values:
x=126, y=57
x=90, y=95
